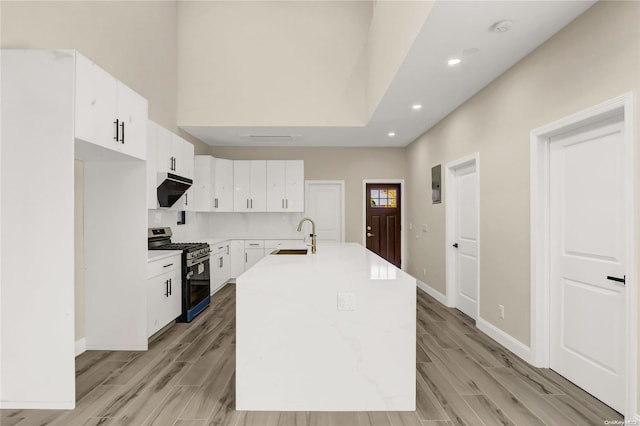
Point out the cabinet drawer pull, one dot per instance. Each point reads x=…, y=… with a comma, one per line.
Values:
x=166, y=266
x=122, y=135
x=254, y=244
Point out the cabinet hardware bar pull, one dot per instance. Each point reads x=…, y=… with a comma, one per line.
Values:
x=247, y=203
x=252, y=203
x=116, y=136
x=287, y=202
x=220, y=263
x=186, y=199
x=122, y=135
x=166, y=266
x=622, y=280
x=166, y=286
x=245, y=258
x=170, y=287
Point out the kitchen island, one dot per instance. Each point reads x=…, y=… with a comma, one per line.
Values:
x=332, y=331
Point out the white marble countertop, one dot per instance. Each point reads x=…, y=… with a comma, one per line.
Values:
x=153, y=255
x=297, y=351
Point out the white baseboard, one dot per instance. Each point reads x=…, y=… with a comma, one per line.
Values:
x=506, y=340
x=37, y=405
x=432, y=292
x=81, y=346
x=117, y=348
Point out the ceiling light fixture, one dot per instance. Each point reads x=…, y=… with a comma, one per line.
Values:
x=454, y=61
x=416, y=107
x=501, y=26
x=391, y=134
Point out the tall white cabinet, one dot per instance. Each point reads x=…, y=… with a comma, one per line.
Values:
x=45, y=125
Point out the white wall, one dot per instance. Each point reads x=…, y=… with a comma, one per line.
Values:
x=271, y=63
x=394, y=27
x=593, y=59
x=194, y=230
x=255, y=225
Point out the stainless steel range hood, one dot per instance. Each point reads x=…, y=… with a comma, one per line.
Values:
x=171, y=187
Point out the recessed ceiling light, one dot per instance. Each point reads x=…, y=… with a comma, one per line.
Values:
x=501, y=26
x=416, y=106
x=391, y=134
x=454, y=61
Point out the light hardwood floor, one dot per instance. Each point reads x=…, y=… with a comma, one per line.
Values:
x=186, y=378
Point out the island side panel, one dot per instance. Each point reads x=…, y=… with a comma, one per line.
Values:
x=297, y=352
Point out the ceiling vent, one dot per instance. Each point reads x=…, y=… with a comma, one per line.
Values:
x=271, y=138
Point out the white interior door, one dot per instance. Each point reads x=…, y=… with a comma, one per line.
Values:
x=324, y=204
x=466, y=238
x=588, y=243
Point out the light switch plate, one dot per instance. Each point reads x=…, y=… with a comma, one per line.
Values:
x=346, y=302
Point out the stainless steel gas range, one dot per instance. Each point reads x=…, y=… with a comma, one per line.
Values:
x=196, y=279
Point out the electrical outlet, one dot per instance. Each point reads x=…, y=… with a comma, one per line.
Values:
x=501, y=311
x=346, y=302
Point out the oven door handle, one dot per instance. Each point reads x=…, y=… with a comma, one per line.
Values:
x=191, y=263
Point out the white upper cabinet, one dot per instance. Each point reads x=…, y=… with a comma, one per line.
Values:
x=250, y=188
x=174, y=154
x=152, y=171
x=184, y=159
x=108, y=113
x=285, y=185
x=213, y=184
x=223, y=185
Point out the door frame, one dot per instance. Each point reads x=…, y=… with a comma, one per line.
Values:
x=307, y=183
x=403, y=214
x=450, y=226
x=540, y=238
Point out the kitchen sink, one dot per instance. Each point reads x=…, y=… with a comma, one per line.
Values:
x=290, y=251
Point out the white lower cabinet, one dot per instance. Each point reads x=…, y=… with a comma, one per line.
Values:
x=164, y=292
x=236, y=249
x=220, y=265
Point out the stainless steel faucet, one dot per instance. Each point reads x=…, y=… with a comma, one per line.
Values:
x=313, y=232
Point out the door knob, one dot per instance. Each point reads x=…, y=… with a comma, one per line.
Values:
x=455, y=245
x=369, y=234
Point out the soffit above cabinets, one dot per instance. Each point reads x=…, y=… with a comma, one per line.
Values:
x=453, y=29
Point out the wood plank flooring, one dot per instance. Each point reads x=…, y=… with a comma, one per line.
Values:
x=187, y=378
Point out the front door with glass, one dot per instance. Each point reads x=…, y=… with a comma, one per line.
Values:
x=383, y=221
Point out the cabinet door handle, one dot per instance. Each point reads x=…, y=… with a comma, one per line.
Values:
x=215, y=203
x=116, y=132
x=166, y=286
x=252, y=203
x=170, y=287
x=287, y=202
x=122, y=135
x=283, y=203
x=220, y=262
x=186, y=199
x=227, y=249
x=245, y=257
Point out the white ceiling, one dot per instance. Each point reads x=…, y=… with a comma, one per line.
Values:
x=424, y=77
